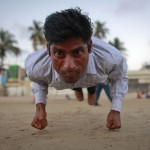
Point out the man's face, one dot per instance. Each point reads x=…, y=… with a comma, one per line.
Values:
x=70, y=59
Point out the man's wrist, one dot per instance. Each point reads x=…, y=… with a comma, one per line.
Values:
x=114, y=111
x=40, y=107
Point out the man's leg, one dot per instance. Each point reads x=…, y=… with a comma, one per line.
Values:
x=91, y=95
x=79, y=94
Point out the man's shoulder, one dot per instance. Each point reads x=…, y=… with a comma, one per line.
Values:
x=105, y=50
x=37, y=58
x=38, y=64
x=37, y=55
x=98, y=42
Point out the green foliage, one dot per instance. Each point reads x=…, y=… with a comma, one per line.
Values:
x=100, y=30
x=7, y=45
x=37, y=34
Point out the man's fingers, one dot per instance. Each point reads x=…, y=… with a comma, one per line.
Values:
x=109, y=124
x=36, y=125
x=43, y=122
x=114, y=126
x=40, y=124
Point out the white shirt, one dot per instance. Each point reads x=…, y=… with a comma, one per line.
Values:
x=105, y=64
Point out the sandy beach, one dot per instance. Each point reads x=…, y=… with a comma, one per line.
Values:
x=74, y=125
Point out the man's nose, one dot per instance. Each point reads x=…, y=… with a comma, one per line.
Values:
x=69, y=63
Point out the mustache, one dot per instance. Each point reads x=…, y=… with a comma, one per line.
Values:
x=69, y=73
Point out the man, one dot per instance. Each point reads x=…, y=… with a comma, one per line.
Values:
x=73, y=59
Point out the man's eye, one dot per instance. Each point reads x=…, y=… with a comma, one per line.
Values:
x=59, y=53
x=77, y=52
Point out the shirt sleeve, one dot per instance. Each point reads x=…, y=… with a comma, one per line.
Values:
x=38, y=70
x=119, y=80
x=40, y=92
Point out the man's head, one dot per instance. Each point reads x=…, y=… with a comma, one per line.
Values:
x=68, y=34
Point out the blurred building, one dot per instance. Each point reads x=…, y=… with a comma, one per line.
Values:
x=12, y=81
x=139, y=80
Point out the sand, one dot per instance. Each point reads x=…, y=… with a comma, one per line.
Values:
x=74, y=125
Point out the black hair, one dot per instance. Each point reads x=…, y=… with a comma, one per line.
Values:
x=66, y=24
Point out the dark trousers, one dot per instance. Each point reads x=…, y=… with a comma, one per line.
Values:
x=91, y=90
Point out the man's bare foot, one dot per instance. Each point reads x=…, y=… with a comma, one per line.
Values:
x=91, y=99
x=79, y=95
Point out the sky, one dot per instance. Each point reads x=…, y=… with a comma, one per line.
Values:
x=126, y=19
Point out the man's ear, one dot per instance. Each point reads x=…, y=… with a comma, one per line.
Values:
x=48, y=49
x=90, y=45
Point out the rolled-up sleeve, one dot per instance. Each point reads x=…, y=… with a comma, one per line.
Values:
x=40, y=92
x=119, y=87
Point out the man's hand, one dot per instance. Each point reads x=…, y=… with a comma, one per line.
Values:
x=39, y=120
x=113, y=120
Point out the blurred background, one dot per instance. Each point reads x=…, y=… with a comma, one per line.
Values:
x=122, y=23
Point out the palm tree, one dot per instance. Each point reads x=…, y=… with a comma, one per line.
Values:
x=119, y=45
x=7, y=45
x=100, y=30
x=37, y=34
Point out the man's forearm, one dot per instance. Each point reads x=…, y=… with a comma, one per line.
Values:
x=118, y=90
